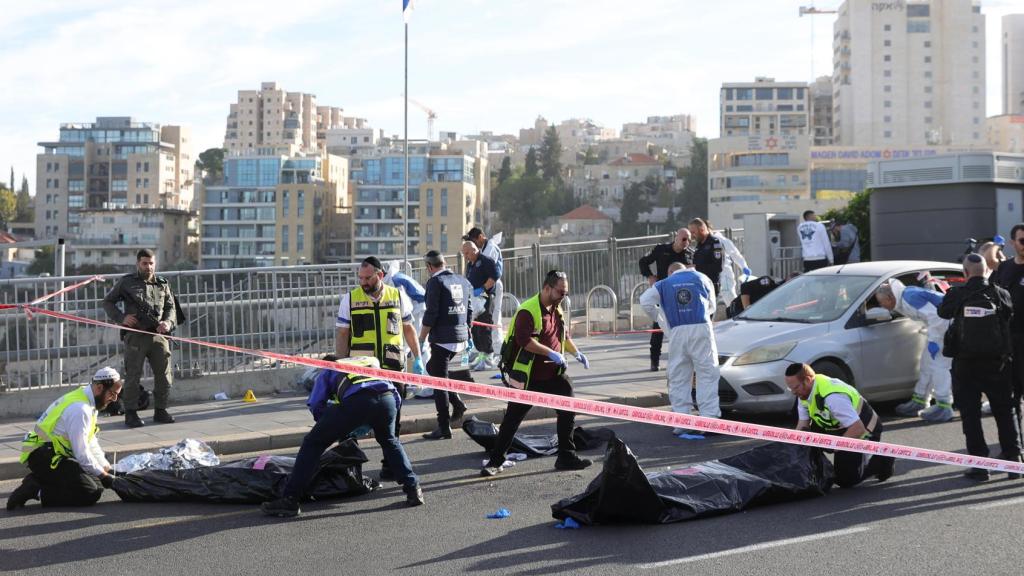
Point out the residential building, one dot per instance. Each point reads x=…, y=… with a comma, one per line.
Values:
x=765, y=108
x=276, y=122
x=1013, y=64
x=909, y=73
x=114, y=162
x=583, y=224
x=606, y=184
x=112, y=237
x=821, y=111
x=273, y=210
x=14, y=262
x=1005, y=133
x=670, y=135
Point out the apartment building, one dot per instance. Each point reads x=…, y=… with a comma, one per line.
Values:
x=112, y=237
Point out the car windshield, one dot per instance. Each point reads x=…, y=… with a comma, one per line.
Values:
x=810, y=299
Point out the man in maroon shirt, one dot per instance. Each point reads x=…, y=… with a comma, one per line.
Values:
x=536, y=362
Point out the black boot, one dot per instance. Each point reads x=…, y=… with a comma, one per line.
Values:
x=29, y=490
x=458, y=411
x=282, y=508
x=162, y=416
x=413, y=496
x=132, y=420
x=439, y=433
x=1011, y=458
x=570, y=461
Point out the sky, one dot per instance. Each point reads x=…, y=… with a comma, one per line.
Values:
x=479, y=64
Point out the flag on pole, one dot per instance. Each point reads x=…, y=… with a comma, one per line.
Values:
x=406, y=10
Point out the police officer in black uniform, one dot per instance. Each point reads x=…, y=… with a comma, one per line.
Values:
x=981, y=360
x=708, y=257
x=663, y=255
x=149, y=305
x=447, y=321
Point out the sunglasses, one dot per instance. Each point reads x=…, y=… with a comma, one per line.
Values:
x=1020, y=240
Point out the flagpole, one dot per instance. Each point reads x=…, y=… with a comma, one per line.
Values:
x=405, y=196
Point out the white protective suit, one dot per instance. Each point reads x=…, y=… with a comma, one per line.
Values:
x=921, y=305
x=492, y=249
x=734, y=259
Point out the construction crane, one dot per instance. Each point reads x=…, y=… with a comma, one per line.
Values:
x=812, y=11
x=431, y=116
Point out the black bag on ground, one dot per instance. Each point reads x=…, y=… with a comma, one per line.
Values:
x=767, y=474
x=980, y=330
x=339, y=474
x=116, y=408
x=486, y=434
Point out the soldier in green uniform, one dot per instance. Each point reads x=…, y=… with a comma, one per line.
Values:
x=149, y=306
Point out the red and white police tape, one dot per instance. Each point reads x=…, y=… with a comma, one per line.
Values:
x=46, y=297
x=607, y=409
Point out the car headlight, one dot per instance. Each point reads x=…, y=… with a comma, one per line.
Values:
x=769, y=353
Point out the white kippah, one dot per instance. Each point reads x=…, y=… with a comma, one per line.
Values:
x=106, y=373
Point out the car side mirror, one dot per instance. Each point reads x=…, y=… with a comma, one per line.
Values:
x=877, y=315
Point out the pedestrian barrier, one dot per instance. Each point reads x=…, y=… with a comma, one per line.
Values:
x=597, y=407
x=634, y=304
x=609, y=315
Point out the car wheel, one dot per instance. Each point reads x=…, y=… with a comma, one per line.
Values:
x=830, y=368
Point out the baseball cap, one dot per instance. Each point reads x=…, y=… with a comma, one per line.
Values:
x=106, y=373
x=473, y=234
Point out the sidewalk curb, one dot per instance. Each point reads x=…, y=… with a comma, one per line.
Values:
x=281, y=438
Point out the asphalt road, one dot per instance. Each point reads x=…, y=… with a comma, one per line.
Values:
x=925, y=520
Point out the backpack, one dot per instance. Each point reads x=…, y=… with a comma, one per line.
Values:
x=980, y=330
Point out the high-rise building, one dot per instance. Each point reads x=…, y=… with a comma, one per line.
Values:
x=113, y=236
x=821, y=111
x=113, y=162
x=909, y=73
x=272, y=121
x=671, y=135
x=1013, y=64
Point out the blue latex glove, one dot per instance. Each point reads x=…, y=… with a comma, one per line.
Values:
x=582, y=359
x=469, y=344
x=746, y=271
x=999, y=240
x=568, y=524
x=933, y=349
x=478, y=291
x=557, y=358
x=417, y=366
x=501, y=513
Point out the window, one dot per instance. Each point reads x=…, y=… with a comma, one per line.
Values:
x=444, y=202
x=145, y=166
x=744, y=93
x=887, y=73
x=887, y=134
x=887, y=119
x=887, y=104
x=886, y=58
x=887, y=43
x=927, y=119
x=927, y=43
x=300, y=207
x=887, y=28
x=300, y=238
x=927, y=59
x=430, y=202
x=927, y=73
x=284, y=238
x=785, y=93
x=919, y=26
x=918, y=11
x=927, y=89
x=927, y=103
x=285, y=202
x=887, y=88
x=444, y=238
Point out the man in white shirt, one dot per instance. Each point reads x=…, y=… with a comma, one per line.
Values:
x=815, y=245
x=68, y=467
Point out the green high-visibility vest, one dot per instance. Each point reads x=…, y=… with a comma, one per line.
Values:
x=819, y=413
x=522, y=365
x=376, y=327
x=43, y=432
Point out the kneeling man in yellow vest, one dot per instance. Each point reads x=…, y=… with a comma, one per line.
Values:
x=830, y=406
x=67, y=465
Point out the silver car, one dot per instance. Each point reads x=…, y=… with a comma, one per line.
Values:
x=829, y=319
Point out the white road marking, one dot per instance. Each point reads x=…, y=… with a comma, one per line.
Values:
x=999, y=503
x=757, y=547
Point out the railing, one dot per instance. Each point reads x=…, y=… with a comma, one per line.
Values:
x=282, y=309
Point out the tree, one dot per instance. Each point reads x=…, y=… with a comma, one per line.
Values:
x=532, y=169
x=11, y=187
x=634, y=203
x=520, y=201
x=43, y=262
x=25, y=210
x=590, y=157
x=506, y=170
x=551, y=156
x=858, y=213
x=8, y=207
x=211, y=161
x=694, y=202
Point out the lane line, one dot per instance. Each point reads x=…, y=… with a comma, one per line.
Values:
x=998, y=504
x=757, y=547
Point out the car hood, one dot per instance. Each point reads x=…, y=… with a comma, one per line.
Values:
x=735, y=337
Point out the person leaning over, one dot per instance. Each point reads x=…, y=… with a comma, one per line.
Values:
x=149, y=306
x=830, y=406
x=533, y=359
x=68, y=467
x=447, y=322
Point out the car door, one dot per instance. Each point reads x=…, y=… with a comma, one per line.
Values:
x=890, y=351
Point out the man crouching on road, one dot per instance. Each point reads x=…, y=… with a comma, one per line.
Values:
x=354, y=402
x=67, y=465
x=830, y=406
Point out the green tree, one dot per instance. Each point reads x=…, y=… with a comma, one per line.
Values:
x=858, y=213
x=532, y=169
x=520, y=201
x=551, y=156
x=8, y=207
x=694, y=201
x=634, y=203
x=43, y=262
x=211, y=161
x=590, y=157
x=25, y=210
x=506, y=170
x=11, y=187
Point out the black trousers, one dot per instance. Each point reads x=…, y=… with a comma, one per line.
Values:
x=971, y=379
x=852, y=468
x=65, y=485
x=810, y=265
x=514, y=414
x=1017, y=369
x=438, y=366
x=656, y=339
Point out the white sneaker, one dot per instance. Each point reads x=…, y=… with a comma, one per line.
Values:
x=986, y=408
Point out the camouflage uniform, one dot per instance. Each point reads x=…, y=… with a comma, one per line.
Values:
x=151, y=302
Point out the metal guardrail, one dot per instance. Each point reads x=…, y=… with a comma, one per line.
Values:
x=288, y=310
x=608, y=314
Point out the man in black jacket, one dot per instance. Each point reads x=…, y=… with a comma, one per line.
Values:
x=1010, y=275
x=974, y=374
x=662, y=256
x=447, y=320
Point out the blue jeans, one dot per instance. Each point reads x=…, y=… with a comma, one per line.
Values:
x=373, y=409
